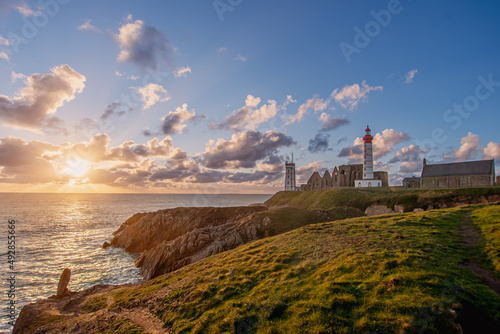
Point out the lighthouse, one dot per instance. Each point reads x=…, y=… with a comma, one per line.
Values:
x=368, y=180
x=290, y=176
x=368, y=155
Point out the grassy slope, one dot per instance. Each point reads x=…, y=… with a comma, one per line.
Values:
x=382, y=274
x=487, y=219
x=361, y=199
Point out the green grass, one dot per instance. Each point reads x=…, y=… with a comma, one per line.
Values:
x=363, y=198
x=394, y=273
x=124, y=326
x=95, y=304
x=287, y=219
x=487, y=219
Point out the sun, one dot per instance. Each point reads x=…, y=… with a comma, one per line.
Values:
x=76, y=168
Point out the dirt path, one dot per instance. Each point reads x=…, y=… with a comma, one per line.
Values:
x=144, y=319
x=471, y=238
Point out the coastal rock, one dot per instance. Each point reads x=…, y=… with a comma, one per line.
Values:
x=62, y=287
x=43, y=316
x=374, y=210
x=198, y=244
x=170, y=239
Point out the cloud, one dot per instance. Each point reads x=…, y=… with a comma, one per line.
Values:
x=377, y=165
x=178, y=168
x=289, y=99
x=350, y=97
x=4, y=55
x=88, y=26
x=383, y=144
x=16, y=152
x=222, y=49
x=319, y=143
x=256, y=177
x=243, y=150
x=114, y=109
x=97, y=150
x=15, y=76
x=41, y=97
x=305, y=172
x=354, y=153
x=491, y=151
x=316, y=104
x=469, y=149
x=410, y=75
x=410, y=158
x=4, y=41
x=86, y=125
x=273, y=165
x=144, y=46
x=250, y=116
x=329, y=123
x=182, y=72
x=240, y=58
x=26, y=10
x=151, y=94
x=185, y=170
x=23, y=162
x=175, y=121
x=118, y=74
x=410, y=153
x=129, y=165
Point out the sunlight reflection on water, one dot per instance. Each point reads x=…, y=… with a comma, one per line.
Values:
x=57, y=231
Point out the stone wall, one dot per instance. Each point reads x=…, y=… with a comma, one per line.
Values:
x=457, y=181
x=342, y=177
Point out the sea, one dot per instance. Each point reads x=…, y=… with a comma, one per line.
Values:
x=57, y=231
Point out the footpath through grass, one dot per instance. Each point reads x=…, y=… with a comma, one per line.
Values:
x=385, y=274
x=487, y=219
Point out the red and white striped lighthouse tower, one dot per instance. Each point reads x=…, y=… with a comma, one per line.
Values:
x=368, y=155
x=368, y=180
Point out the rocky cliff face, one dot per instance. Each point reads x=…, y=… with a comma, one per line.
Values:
x=171, y=239
x=168, y=240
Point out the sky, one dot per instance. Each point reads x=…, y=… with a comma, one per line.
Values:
x=207, y=96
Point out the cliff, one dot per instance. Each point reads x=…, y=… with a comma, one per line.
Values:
x=432, y=272
x=171, y=239
x=168, y=240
